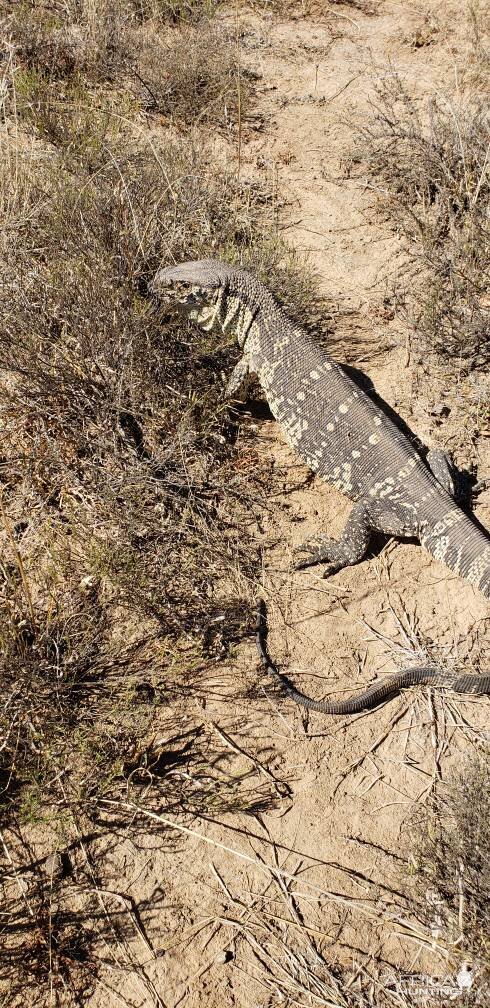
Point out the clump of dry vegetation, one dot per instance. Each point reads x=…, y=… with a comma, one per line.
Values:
x=200, y=83
x=451, y=866
x=118, y=472
x=430, y=169
x=75, y=62
x=127, y=514
x=476, y=69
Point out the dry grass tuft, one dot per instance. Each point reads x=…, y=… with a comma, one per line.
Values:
x=476, y=72
x=98, y=39
x=452, y=868
x=77, y=62
x=315, y=8
x=200, y=83
x=127, y=508
x=431, y=172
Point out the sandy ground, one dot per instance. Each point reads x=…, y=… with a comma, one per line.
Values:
x=338, y=834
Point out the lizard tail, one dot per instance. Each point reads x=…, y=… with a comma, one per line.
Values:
x=460, y=544
x=378, y=691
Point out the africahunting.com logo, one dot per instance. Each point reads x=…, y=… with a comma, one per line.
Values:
x=424, y=991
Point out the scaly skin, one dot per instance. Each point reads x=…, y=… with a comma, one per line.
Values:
x=334, y=426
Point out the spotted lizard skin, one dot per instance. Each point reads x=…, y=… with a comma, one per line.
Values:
x=333, y=425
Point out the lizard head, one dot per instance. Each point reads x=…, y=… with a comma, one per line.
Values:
x=205, y=274
x=213, y=294
x=195, y=285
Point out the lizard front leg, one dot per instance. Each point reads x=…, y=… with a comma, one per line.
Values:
x=240, y=380
x=364, y=519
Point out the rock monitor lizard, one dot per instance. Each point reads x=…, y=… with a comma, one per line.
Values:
x=334, y=426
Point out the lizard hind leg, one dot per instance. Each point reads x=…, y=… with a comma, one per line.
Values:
x=349, y=549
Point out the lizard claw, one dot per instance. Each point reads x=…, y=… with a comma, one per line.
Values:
x=304, y=564
x=315, y=551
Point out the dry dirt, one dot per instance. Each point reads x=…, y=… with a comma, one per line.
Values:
x=344, y=830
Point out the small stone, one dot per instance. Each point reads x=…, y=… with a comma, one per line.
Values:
x=224, y=957
x=465, y=977
x=440, y=409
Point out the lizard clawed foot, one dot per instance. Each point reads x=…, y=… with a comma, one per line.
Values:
x=316, y=551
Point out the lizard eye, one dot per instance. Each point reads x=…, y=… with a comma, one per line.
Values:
x=197, y=294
